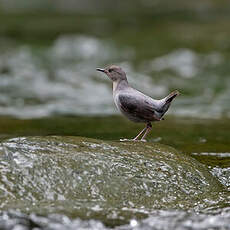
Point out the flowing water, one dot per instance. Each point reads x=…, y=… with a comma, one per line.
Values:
x=61, y=163
x=59, y=79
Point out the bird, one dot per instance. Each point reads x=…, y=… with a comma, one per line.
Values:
x=135, y=105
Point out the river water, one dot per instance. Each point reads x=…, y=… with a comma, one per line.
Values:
x=62, y=79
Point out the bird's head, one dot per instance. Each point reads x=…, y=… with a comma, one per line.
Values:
x=115, y=73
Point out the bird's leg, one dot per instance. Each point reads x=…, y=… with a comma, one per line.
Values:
x=142, y=131
x=148, y=129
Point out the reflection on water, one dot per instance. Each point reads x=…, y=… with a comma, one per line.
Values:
x=61, y=79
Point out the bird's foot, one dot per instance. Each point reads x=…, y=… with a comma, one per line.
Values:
x=136, y=140
x=126, y=140
x=143, y=140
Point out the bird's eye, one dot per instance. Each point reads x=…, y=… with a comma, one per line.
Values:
x=110, y=70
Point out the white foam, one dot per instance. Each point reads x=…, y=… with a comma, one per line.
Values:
x=62, y=79
x=221, y=155
x=185, y=62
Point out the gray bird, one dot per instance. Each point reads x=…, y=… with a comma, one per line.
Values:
x=135, y=105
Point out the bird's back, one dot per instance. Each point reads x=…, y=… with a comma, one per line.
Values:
x=137, y=106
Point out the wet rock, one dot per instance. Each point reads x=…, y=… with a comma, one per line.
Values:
x=110, y=181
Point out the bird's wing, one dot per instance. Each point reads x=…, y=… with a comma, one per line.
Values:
x=139, y=106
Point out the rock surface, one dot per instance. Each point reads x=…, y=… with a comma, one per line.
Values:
x=106, y=180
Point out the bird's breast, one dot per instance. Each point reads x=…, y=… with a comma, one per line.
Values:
x=125, y=112
x=116, y=100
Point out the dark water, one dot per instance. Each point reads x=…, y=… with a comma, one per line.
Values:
x=49, y=87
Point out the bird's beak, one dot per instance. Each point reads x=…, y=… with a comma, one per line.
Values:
x=101, y=70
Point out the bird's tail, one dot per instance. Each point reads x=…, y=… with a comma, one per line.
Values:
x=171, y=96
x=166, y=102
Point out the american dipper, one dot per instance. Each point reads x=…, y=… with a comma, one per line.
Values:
x=135, y=105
